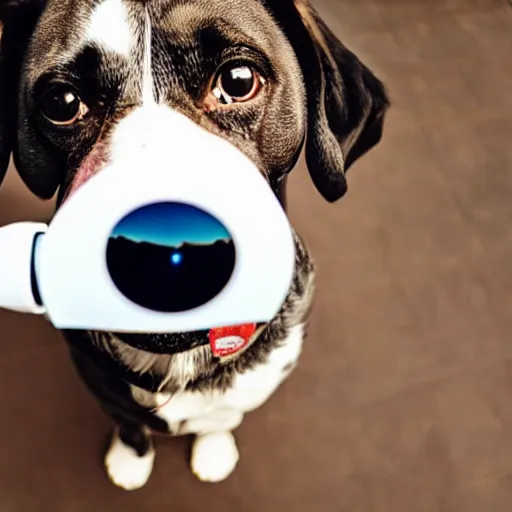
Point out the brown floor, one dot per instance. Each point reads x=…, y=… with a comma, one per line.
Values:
x=403, y=401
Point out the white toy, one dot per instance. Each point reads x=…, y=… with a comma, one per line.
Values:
x=209, y=256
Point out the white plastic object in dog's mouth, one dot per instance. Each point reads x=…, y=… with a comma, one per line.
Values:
x=142, y=168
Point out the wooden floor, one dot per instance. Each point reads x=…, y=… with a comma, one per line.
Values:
x=403, y=400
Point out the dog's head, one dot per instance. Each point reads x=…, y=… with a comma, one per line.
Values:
x=266, y=75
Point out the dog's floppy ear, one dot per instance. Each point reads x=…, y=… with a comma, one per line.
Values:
x=7, y=125
x=346, y=102
x=18, y=19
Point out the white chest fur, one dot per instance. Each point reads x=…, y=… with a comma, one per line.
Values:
x=206, y=412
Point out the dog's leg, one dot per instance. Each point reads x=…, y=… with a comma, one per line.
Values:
x=214, y=456
x=214, y=452
x=129, y=460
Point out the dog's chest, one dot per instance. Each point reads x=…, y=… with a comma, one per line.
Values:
x=203, y=412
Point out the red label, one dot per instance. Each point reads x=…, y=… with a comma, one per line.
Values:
x=225, y=341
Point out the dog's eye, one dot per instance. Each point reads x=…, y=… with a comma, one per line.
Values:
x=63, y=107
x=237, y=84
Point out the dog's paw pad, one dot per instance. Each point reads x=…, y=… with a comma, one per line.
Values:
x=125, y=468
x=214, y=456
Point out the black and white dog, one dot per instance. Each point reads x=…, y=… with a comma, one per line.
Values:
x=266, y=75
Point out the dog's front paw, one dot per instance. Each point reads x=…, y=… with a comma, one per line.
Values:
x=126, y=468
x=214, y=456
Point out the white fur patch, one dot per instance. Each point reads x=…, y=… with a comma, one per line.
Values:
x=202, y=413
x=214, y=456
x=125, y=468
x=109, y=27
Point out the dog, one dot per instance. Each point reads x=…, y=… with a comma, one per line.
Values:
x=269, y=77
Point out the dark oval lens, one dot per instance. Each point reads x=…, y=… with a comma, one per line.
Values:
x=170, y=257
